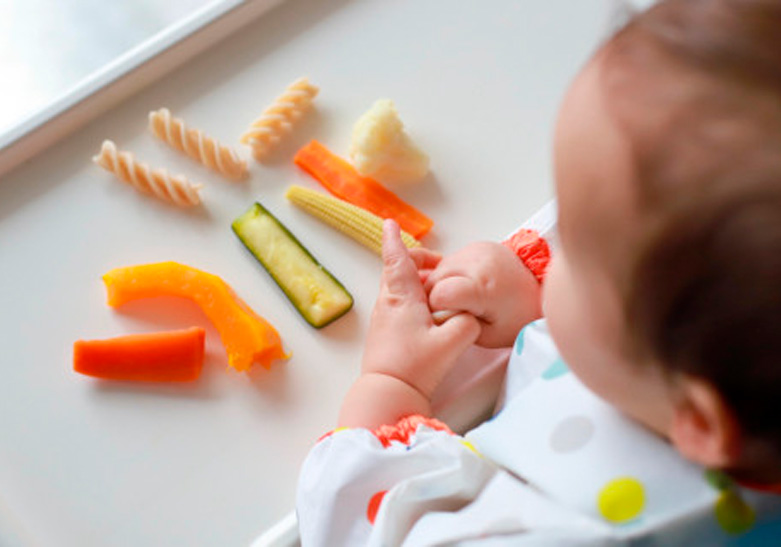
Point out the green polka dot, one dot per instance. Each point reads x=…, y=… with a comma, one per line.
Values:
x=718, y=480
x=733, y=514
x=621, y=499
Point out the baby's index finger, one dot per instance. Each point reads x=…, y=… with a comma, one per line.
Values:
x=399, y=274
x=393, y=249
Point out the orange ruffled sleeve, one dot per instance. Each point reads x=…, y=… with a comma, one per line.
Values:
x=532, y=249
x=401, y=431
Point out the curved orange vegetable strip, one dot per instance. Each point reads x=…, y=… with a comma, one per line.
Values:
x=172, y=356
x=247, y=337
x=342, y=180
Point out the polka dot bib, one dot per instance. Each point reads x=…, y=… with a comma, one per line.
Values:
x=554, y=433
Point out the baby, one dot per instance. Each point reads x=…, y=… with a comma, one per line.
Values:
x=653, y=340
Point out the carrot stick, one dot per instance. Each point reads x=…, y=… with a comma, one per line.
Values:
x=173, y=356
x=342, y=180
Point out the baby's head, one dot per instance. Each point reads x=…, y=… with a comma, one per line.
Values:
x=665, y=297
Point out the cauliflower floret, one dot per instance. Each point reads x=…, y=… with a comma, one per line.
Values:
x=381, y=149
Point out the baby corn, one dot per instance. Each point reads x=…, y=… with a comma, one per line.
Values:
x=358, y=223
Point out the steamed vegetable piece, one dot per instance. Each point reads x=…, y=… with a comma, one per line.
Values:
x=173, y=356
x=342, y=180
x=381, y=148
x=316, y=294
x=247, y=337
x=361, y=225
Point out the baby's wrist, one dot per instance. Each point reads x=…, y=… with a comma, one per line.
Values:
x=377, y=399
x=405, y=375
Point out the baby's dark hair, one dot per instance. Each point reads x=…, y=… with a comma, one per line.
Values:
x=701, y=88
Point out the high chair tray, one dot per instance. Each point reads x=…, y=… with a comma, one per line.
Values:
x=215, y=462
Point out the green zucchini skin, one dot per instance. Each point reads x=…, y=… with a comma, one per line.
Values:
x=334, y=300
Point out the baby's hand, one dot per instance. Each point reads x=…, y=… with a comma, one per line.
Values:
x=403, y=341
x=488, y=281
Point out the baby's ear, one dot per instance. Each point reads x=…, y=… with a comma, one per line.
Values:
x=704, y=428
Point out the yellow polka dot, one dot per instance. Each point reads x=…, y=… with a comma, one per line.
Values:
x=338, y=429
x=621, y=499
x=471, y=447
x=733, y=514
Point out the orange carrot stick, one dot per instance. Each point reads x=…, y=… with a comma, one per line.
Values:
x=342, y=180
x=173, y=356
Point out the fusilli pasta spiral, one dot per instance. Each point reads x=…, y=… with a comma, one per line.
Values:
x=279, y=117
x=196, y=144
x=158, y=182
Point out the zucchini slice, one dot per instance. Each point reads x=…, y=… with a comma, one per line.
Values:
x=317, y=295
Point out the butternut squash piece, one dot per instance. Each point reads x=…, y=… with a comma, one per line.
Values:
x=247, y=337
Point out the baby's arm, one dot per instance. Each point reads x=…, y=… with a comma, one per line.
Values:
x=406, y=354
x=490, y=282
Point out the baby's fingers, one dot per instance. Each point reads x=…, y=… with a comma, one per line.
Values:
x=457, y=293
x=425, y=259
x=399, y=275
x=456, y=334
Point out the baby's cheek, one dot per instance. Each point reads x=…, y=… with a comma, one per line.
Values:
x=549, y=289
x=559, y=307
x=577, y=324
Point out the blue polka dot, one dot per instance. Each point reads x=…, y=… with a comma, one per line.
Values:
x=556, y=369
x=518, y=347
x=630, y=523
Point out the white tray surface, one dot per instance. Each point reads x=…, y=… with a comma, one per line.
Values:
x=87, y=463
